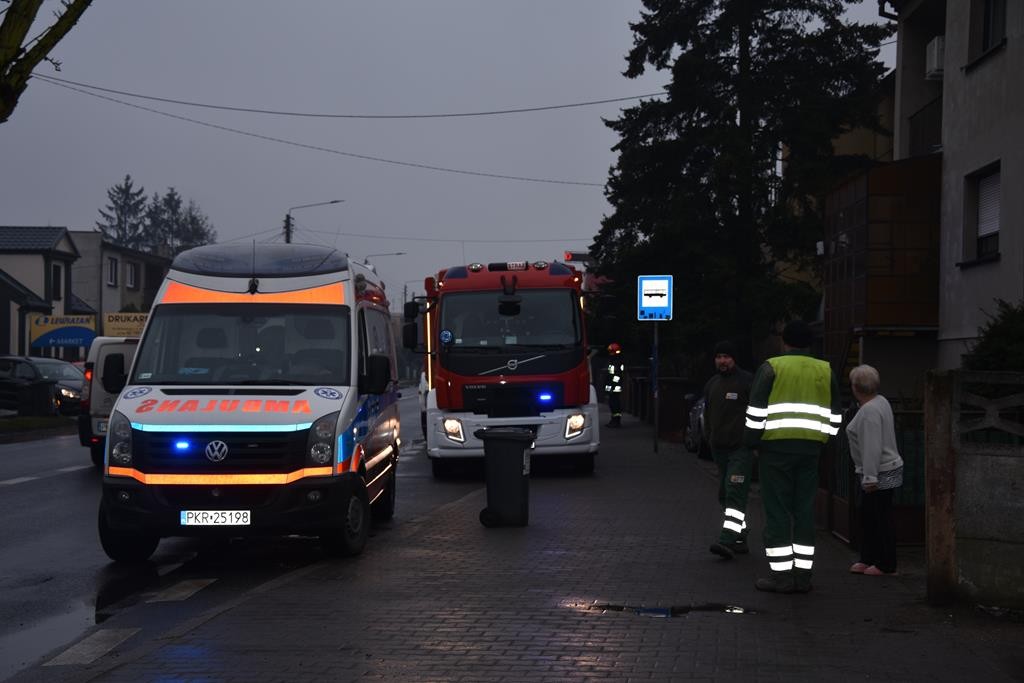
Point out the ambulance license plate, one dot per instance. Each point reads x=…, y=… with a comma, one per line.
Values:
x=215, y=517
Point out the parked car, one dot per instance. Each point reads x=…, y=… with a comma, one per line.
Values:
x=694, y=439
x=40, y=386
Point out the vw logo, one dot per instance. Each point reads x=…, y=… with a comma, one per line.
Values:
x=512, y=364
x=216, y=451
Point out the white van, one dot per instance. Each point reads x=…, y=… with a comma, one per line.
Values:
x=261, y=401
x=98, y=394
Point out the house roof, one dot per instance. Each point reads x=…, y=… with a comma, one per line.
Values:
x=77, y=306
x=22, y=294
x=33, y=239
x=114, y=246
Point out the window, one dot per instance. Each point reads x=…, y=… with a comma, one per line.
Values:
x=982, y=201
x=57, y=291
x=112, y=271
x=988, y=215
x=988, y=26
x=131, y=275
x=993, y=24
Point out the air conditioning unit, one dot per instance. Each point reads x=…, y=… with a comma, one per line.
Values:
x=933, y=59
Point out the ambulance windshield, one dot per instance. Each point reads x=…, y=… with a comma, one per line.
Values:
x=539, y=318
x=257, y=344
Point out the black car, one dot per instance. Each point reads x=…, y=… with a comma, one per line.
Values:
x=40, y=386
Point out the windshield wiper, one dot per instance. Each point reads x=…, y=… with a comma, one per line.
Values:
x=476, y=349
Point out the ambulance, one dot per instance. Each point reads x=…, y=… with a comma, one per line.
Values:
x=261, y=401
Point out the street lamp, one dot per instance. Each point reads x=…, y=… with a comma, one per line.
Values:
x=390, y=253
x=288, y=216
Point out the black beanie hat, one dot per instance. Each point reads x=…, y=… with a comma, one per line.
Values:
x=797, y=334
x=726, y=348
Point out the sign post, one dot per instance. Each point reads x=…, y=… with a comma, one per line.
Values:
x=654, y=304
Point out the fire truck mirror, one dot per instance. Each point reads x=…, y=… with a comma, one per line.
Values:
x=508, y=305
x=410, y=336
x=411, y=310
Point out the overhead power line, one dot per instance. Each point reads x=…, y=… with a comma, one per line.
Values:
x=319, y=148
x=446, y=239
x=315, y=115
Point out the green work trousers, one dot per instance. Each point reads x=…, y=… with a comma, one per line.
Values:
x=735, y=468
x=789, y=484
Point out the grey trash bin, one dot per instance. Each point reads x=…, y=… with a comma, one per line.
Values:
x=507, y=471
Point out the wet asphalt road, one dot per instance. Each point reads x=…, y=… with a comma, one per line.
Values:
x=56, y=581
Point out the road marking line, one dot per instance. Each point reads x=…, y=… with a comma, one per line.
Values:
x=183, y=590
x=45, y=475
x=19, y=480
x=92, y=648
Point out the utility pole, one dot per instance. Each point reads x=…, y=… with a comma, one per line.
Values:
x=289, y=224
x=288, y=228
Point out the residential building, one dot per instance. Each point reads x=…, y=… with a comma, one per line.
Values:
x=111, y=278
x=956, y=69
x=35, y=278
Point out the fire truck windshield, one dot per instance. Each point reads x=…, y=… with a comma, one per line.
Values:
x=201, y=344
x=541, y=318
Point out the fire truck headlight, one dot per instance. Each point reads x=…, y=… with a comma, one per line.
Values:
x=119, y=440
x=319, y=448
x=453, y=430
x=574, y=425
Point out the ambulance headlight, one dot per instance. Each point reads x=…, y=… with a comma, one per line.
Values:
x=453, y=430
x=320, y=445
x=574, y=425
x=119, y=440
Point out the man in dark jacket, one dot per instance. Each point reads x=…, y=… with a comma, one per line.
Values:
x=725, y=404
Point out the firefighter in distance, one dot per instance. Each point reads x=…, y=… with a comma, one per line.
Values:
x=613, y=385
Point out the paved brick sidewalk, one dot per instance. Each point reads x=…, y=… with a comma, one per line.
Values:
x=444, y=599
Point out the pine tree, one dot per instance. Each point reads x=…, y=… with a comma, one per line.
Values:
x=123, y=218
x=697, y=189
x=172, y=226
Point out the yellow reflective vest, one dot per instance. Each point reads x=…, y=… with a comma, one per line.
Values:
x=800, y=403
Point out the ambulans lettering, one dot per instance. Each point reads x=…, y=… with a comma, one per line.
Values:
x=224, y=406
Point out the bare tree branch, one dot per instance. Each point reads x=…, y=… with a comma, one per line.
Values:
x=17, y=64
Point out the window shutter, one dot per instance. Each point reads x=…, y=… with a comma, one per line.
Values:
x=988, y=205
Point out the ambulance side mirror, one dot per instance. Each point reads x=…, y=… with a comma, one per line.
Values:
x=114, y=377
x=377, y=377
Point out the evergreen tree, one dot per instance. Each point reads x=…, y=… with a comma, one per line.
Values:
x=172, y=226
x=195, y=229
x=123, y=218
x=697, y=189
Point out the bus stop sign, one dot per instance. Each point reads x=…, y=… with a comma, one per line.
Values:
x=654, y=297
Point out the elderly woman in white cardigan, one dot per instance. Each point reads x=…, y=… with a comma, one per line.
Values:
x=872, y=437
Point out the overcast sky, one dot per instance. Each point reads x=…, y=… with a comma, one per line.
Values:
x=62, y=149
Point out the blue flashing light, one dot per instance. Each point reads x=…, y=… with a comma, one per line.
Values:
x=545, y=397
x=181, y=445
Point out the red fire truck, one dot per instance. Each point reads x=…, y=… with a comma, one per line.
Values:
x=505, y=345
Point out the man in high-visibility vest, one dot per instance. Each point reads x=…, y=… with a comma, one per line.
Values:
x=613, y=384
x=794, y=409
